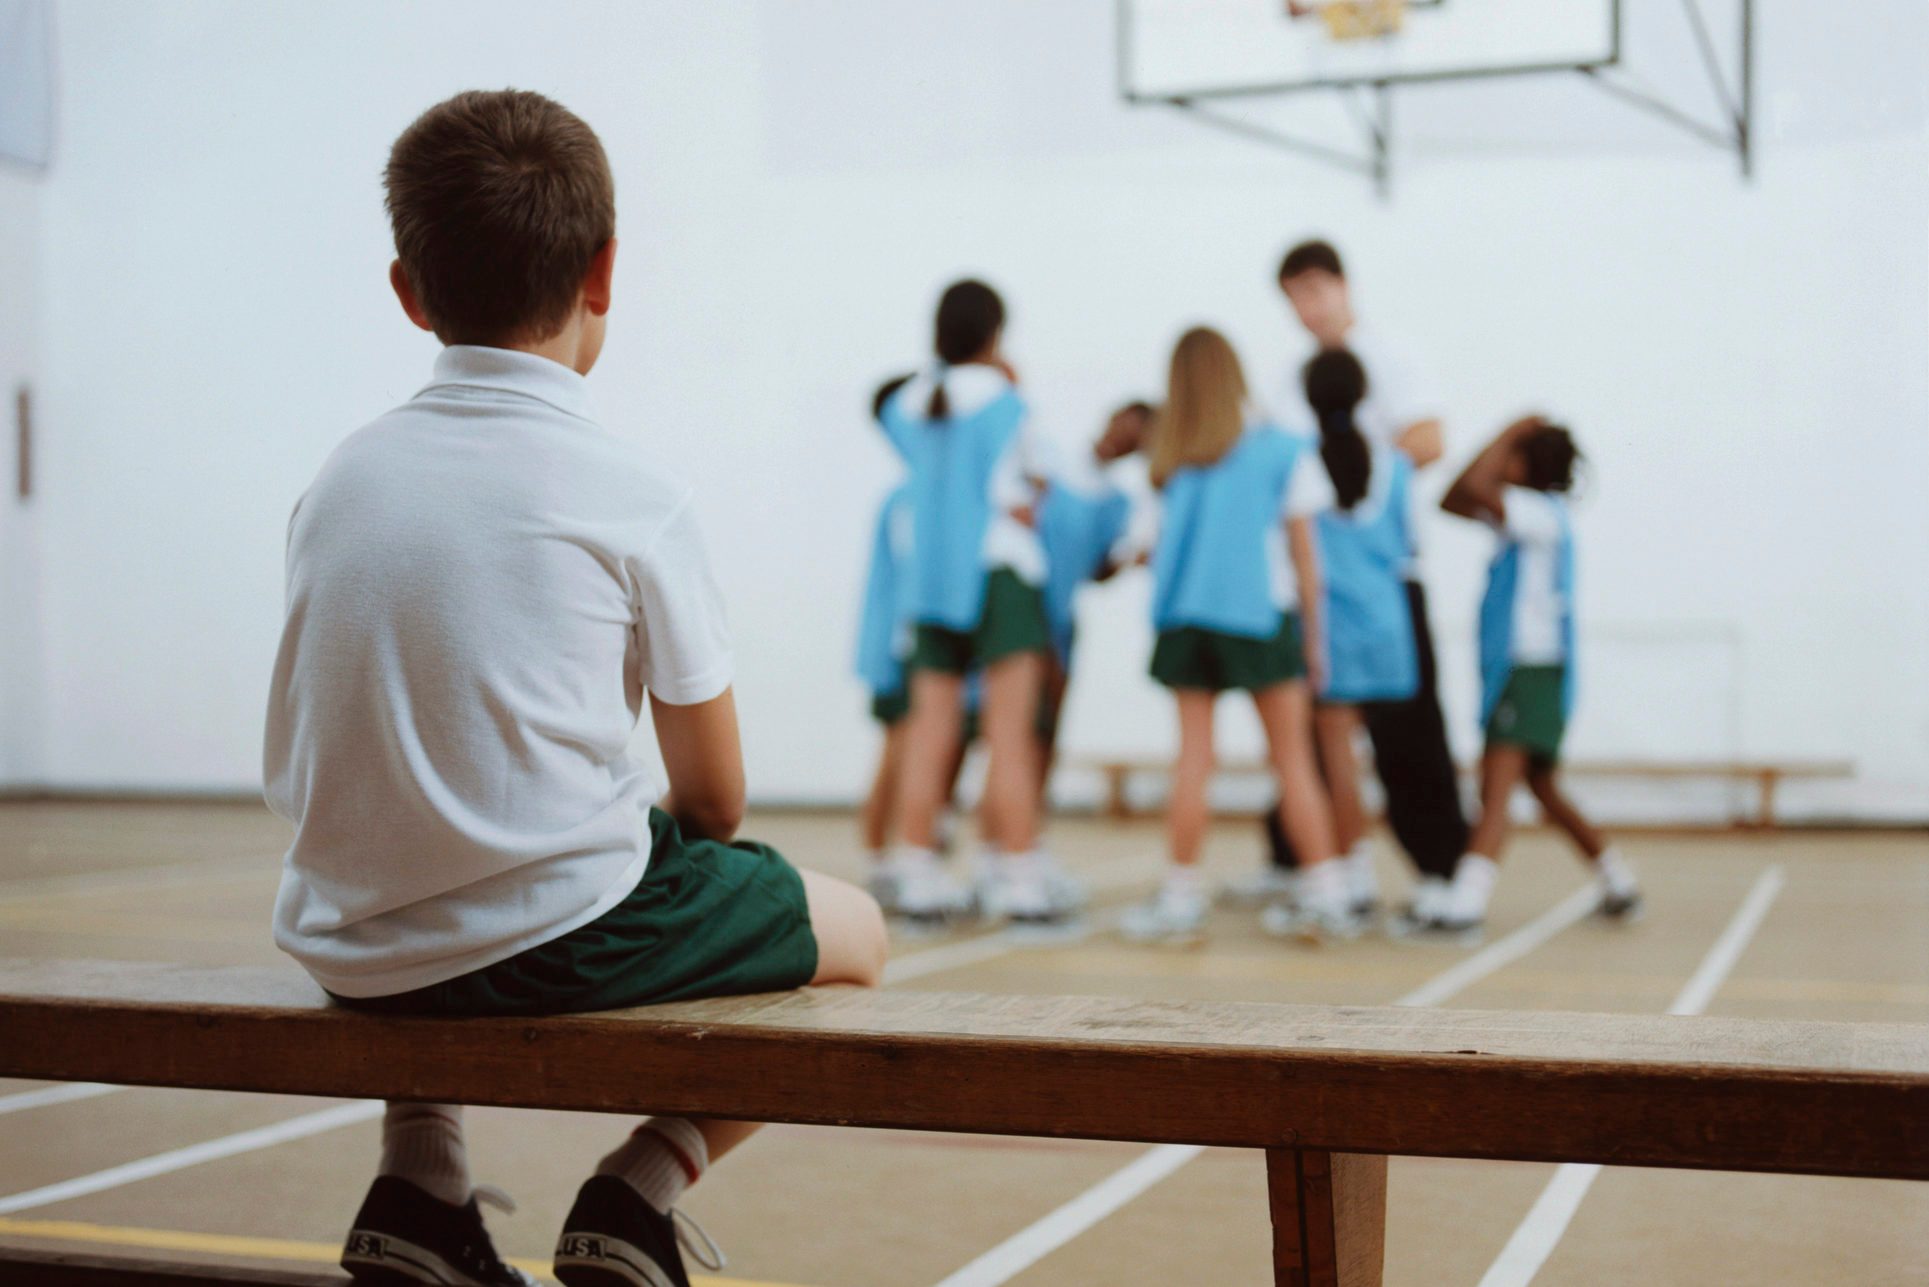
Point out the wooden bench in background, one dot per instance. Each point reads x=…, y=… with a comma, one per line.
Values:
x=1328, y=1092
x=1766, y=775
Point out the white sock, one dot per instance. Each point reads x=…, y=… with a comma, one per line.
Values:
x=1181, y=882
x=1473, y=885
x=422, y=1143
x=1322, y=886
x=1617, y=877
x=661, y=1158
x=1362, y=881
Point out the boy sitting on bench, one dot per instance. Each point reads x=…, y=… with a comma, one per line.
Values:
x=482, y=584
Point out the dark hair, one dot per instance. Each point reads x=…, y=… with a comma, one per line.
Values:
x=499, y=200
x=970, y=315
x=1335, y=386
x=1550, y=454
x=1311, y=256
x=884, y=392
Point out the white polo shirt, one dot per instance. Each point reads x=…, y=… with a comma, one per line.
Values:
x=481, y=585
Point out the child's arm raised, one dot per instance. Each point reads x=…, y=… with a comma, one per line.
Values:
x=1476, y=494
x=704, y=759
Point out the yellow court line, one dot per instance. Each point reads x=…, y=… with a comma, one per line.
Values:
x=225, y=1244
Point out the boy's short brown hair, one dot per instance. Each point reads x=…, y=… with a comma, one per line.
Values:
x=499, y=199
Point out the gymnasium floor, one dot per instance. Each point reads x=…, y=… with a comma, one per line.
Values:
x=1808, y=926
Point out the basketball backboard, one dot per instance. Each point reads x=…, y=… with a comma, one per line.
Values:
x=1203, y=49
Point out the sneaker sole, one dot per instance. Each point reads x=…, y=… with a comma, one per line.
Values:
x=596, y=1260
x=383, y=1260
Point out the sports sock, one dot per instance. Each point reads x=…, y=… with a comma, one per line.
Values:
x=1432, y=898
x=1322, y=886
x=661, y=1158
x=1617, y=877
x=1181, y=881
x=422, y=1143
x=1473, y=885
x=1362, y=881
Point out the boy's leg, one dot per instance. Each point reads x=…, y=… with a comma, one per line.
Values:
x=422, y=1143
x=665, y=1155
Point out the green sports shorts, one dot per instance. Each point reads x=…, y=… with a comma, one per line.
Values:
x=888, y=708
x=708, y=919
x=1190, y=657
x=1531, y=713
x=1013, y=622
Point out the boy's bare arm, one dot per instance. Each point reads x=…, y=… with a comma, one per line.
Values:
x=704, y=758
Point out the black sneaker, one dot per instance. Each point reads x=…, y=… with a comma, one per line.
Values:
x=613, y=1238
x=404, y=1235
x=1625, y=908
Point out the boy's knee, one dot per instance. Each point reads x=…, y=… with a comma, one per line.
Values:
x=852, y=943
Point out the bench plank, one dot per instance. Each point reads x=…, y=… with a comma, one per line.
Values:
x=29, y=1267
x=1820, y=1098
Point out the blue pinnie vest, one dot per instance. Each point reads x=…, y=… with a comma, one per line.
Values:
x=951, y=465
x=1497, y=617
x=1368, y=622
x=884, y=623
x=1078, y=530
x=1212, y=568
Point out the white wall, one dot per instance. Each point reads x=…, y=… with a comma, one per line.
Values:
x=797, y=178
x=21, y=681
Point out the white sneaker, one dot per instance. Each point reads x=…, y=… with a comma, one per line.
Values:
x=1311, y=924
x=884, y=885
x=1032, y=888
x=1362, y=881
x=1173, y=915
x=1268, y=885
x=925, y=890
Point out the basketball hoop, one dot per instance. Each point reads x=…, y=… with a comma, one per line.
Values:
x=1350, y=20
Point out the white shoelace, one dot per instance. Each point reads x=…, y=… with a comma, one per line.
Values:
x=688, y=1231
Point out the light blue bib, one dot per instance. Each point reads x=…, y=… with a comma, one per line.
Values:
x=1368, y=622
x=1211, y=568
x=1497, y=618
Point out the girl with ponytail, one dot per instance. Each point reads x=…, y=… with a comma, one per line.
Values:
x=1366, y=544
x=975, y=473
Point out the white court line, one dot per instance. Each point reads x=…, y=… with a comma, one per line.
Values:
x=1027, y=1247
x=66, y=1093
x=1036, y=1241
x=1534, y=1241
x=1506, y=951
x=178, y=1159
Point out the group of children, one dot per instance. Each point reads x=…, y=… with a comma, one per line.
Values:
x=1278, y=555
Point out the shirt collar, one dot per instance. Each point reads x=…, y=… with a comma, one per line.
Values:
x=513, y=371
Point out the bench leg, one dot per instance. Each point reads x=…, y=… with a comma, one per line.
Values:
x=1329, y=1217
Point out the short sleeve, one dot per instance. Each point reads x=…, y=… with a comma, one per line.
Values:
x=682, y=635
x=1309, y=491
x=1532, y=517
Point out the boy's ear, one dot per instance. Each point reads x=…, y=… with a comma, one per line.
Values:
x=406, y=293
x=596, y=282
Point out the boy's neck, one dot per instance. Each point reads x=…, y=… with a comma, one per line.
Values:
x=565, y=347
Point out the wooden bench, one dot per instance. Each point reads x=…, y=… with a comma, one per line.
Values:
x=1328, y=1092
x=1766, y=775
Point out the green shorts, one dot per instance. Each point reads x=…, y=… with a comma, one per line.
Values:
x=1190, y=657
x=888, y=708
x=1013, y=622
x=1531, y=713
x=708, y=919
